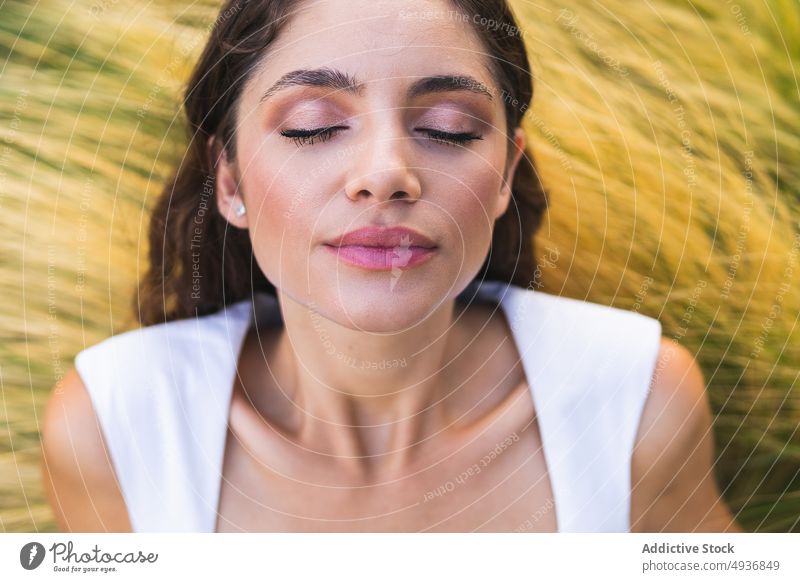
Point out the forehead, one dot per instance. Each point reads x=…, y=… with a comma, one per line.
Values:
x=378, y=41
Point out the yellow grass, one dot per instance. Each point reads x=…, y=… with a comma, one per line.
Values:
x=667, y=133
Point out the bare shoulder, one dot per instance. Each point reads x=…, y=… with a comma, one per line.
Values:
x=676, y=408
x=672, y=473
x=78, y=475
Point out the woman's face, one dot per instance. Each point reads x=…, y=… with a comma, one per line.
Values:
x=387, y=162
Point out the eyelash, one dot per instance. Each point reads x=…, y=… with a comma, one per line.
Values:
x=309, y=136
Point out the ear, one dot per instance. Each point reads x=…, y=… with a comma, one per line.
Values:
x=226, y=180
x=517, y=150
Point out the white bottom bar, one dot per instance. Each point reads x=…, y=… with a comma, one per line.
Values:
x=390, y=557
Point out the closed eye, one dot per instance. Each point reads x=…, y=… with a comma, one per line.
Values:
x=310, y=136
x=450, y=138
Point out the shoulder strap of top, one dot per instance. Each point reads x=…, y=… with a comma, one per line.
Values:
x=162, y=394
x=589, y=367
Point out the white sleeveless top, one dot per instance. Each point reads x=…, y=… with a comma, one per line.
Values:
x=162, y=395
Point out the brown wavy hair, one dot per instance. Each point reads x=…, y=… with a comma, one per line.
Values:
x=198, y=263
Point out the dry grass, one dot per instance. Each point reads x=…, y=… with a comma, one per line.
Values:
x=649, y=120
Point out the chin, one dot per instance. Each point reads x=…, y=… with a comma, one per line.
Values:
x=379, y=303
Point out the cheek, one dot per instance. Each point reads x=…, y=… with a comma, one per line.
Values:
x=470, y=199
x=282, y=221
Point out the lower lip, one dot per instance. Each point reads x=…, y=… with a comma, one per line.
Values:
x=382, y=258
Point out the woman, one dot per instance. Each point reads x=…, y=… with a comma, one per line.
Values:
x=340, y=326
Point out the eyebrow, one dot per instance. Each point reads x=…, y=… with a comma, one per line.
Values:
x=337, y=80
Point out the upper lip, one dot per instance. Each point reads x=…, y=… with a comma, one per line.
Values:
x=373, y=236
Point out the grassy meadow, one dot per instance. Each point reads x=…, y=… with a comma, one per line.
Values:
x=667, y=133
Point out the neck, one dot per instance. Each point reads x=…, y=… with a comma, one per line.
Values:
x=368, y=399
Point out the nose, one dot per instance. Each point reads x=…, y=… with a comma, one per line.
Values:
x=383, y=169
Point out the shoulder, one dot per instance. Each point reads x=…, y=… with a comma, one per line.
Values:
x=130, y=348
x=78, y=474
x=587, y=318
x=676, y=412
x=143, y=381
x=672, y=474
x=137, y=365
x=158, y=345
x=609, y=346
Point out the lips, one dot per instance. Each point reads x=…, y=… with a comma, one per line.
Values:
x=386, y=237
x=383, y=249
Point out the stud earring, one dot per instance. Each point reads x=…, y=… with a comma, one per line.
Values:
x=240, y=210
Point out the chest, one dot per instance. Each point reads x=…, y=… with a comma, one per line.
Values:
x=496, y=481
